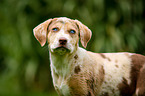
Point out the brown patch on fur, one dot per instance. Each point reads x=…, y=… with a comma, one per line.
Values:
x=76, y=56
x=136, y=74
x=100, y=79
x=77, y=69
x=75, y=61
x=90, y=84
x=117, y=66
x=101, y=73
x=124, y=88
x=141, y=82
x=103, y=56
x=136, y=64
x=109, y=59
x=116, y=61
x=78, y=85
x=86, y=83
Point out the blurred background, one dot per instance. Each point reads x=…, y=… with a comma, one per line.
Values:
x=117, y=26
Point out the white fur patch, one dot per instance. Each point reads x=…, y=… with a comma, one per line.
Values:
x=116, y=68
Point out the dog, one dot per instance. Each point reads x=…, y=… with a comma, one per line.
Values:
x=77, y=72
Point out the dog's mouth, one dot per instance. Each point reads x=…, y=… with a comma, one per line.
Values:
x=61, y=50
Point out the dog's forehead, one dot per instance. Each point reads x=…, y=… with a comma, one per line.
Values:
x=64, y=21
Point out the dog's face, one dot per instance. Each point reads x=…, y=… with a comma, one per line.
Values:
x=62, y=34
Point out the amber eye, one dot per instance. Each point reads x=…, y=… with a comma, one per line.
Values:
x=55, y=29
x=72, y=31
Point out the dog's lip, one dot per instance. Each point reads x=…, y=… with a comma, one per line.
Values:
x=62, y=48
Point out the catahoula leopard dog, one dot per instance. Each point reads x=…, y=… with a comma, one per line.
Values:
x=77, y=72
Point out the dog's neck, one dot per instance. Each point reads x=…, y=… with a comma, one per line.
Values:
x=62, y=64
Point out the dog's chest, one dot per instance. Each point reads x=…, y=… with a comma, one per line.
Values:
x=64, y=89
x=60, y=84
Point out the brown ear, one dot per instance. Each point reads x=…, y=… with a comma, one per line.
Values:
x=85, y=33
x=40, y=32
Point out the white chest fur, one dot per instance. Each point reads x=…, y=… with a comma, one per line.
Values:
x=63, y=88
x=60, y=81
x=61, y=69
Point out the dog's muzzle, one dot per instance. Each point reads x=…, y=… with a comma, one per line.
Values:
x=62, y=47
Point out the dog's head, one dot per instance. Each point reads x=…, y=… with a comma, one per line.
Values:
x=62, y=34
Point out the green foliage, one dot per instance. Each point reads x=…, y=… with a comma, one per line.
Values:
x=117, y=25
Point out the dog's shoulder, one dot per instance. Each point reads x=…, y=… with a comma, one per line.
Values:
x=138, y=60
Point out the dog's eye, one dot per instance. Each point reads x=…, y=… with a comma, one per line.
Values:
x=55, y=29
x=72, y=31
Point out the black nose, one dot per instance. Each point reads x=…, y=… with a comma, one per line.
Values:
x=62, y=41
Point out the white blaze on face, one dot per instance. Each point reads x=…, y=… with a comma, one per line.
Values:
x=64, y=26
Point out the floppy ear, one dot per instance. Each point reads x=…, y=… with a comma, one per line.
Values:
x=85, y=33
x=40, y=32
